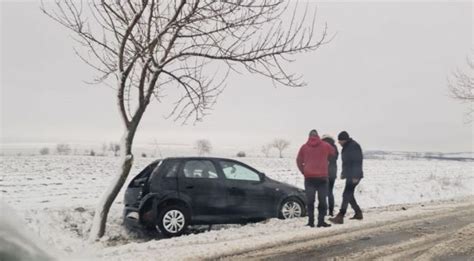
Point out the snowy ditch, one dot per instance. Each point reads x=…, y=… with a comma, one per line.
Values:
x=55, y=195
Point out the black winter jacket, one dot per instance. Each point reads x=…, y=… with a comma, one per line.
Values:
x=352, y=158
x=332, y=167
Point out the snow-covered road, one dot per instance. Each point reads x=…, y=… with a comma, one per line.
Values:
x=385, y=231
x=444, y=231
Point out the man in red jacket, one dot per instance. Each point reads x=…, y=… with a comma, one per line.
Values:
x=312, y=162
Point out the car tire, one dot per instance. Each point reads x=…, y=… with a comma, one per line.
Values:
x=173, y=220
x=291, y=208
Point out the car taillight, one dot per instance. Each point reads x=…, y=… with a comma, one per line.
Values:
x=133, y=215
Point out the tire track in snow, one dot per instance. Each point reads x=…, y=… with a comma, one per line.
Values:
x=402, y=239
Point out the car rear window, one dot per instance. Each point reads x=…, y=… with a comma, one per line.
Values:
x=171, y=169
x=144, y=174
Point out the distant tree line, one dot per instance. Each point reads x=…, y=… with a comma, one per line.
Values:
x=386, y=155
x=66, y=149
x=202, y=147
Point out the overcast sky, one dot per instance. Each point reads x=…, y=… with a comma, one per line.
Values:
x=383, y=79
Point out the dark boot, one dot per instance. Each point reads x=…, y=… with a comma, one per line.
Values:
x=339, y=219
x=331, y=213
x=358, y=215
x=310, y=221
x=323, y=224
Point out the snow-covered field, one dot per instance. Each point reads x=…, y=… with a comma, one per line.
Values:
x=55, y=195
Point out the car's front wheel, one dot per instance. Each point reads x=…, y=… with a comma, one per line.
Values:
x=173, y=220
x=291, y=208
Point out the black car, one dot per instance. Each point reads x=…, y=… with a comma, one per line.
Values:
x=172, y=193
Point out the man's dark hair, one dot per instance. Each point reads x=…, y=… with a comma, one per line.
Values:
x=343, y=136
x=313, y=133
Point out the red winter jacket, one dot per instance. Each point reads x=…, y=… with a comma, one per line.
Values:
x=313, y=158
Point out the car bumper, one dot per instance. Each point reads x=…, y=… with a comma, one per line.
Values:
x=131, y=218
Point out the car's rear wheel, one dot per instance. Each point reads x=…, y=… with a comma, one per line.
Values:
x=291, y=208
x=173, y=220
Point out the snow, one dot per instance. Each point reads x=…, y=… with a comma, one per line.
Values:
x=101, y=212
x=16, y=243
x=56, y=195
x=238, y=240
x=453, y=246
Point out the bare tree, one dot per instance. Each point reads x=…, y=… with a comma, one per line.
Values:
x=104, y=148
x=461, y=85
x=266, y=149
x=203, y=147
x=63, y=149
x=140, y=48
x=44, y=151
x=157, y=149
x=115, y=148
x=280, y=145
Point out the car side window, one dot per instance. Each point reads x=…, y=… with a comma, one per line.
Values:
x=201, y=169
x=171, y=170
x=235, y=171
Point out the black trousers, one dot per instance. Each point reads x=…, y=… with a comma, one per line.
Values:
x=331, y=194
x=348, y=197
x=313, y=185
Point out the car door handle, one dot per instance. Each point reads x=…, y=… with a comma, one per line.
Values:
x=189, y=187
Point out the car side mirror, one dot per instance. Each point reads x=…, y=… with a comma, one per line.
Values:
x=262, y=176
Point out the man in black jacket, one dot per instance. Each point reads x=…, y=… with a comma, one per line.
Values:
x=332, y=168
x=351, y=155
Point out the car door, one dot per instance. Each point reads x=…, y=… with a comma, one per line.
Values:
x=247, y=196
x=201, y=185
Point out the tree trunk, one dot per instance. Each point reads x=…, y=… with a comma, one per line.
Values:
x=102, y=209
